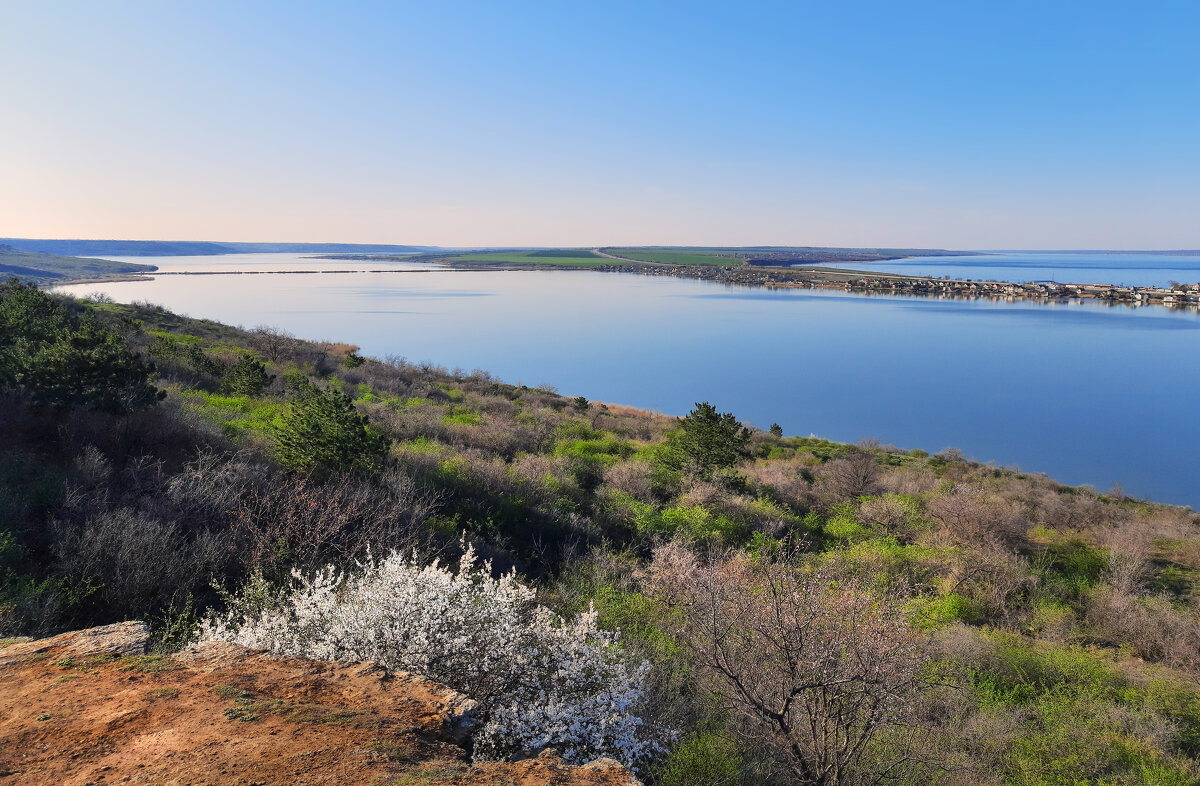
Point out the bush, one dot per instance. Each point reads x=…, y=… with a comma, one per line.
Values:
x=703, y=760
x=541, y=681
x=322, y=429
x=708, y=440
x=56, y=358
x=247, y=377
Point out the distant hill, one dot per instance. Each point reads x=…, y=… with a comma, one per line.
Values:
x=168, y=248
x=770, y=256
x=52, y=268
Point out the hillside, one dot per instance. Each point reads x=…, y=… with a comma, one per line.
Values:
x=50, y=268
x=944, y=620
x=93, y=706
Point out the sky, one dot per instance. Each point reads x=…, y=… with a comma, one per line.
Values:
x=973, y=125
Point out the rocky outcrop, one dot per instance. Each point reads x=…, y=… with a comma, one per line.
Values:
x=123, y=639
x=92, y=707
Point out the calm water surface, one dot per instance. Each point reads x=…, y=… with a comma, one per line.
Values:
x=1128, y=269
x=1086, y=393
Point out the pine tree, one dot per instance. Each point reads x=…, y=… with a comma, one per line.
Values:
x=247, y=377
x=321, y=430
x=710, y=440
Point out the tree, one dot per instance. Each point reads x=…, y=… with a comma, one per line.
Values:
x=57, y=358
x=273, y=342
x=321, y=429
x=709, y=440
x=776, y=430
x=816, y=666
x=247, y=377
x=851, y=477
x=541, y=681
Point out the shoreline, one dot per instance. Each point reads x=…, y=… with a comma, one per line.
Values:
x=869, y=282
x=798, y=277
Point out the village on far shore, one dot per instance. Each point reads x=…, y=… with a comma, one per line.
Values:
x=1176, y=296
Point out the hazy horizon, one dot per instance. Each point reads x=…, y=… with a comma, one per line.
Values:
x=530, y=124
x=498, y=246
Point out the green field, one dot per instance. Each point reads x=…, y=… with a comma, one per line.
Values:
x=568, y=257
x=671, y=256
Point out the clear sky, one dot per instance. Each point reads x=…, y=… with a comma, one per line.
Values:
x=957, y=124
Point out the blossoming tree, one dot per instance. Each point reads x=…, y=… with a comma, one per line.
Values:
x=541, y=681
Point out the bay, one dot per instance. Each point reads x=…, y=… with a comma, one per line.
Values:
x=1084, y=392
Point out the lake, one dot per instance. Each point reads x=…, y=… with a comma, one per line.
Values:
x=1141, y=270
x=1086, y=393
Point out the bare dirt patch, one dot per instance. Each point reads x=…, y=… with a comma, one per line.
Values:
x=92, y=708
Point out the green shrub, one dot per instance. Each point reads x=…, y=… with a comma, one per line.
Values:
x=706, y=440
x=462, y=417
x=703, y=759
x=247, y=377
x=945, y=610
x=57, y=358
x=322, y=429
x=608, y=450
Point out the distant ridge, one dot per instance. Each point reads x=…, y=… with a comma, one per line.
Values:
x=167, y=248
x=45, y=268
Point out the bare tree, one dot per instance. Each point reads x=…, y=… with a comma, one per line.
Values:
x=272, y=342
x=854, y=476
x=815, y=666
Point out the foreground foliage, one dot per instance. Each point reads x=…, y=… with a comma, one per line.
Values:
x=56, y=357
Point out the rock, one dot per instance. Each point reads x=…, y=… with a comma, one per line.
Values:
x=614, y=768
x=119, y=640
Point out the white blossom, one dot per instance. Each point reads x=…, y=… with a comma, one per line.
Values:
x=541, y=681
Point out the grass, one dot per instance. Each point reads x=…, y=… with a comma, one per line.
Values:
x=670, y=256
x=239, y=416
x=560, y=258
x=1087, y=721
x=462, y=417
x=148, y=664
x=431, y=774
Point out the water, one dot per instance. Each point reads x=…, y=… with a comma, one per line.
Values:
x=1155, y=270
x=1084, y=392
x=268, y=263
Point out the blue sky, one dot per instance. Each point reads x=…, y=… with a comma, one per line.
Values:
x=947, y=124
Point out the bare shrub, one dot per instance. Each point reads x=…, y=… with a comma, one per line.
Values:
x=304, y=524
x=130, y=561
x=892, y=515
x=814, y=664
x=995, y=578
x=850, y=477
x=909, y=480
x=635, y=478
x=271, y=342
x=786, y=476
x=1151, y=625
x=1128, y=558
x=971, y=515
